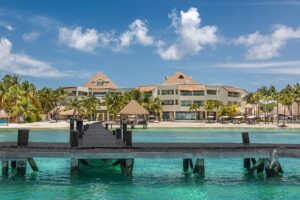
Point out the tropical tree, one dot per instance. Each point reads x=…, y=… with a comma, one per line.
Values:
x=90, y=104
x=154, y=106
x=229, y=110
x=297, y=98
x=286, y=98
x=212, y=105
x=76, y=105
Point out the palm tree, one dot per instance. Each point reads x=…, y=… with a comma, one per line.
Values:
x=286, y=99
x=297, y=98
x=195, y=107
x=155, y=107
x=212, y=105
x=76, y=105
x=90, y=104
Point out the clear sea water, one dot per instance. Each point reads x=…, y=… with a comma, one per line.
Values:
x=157, y=179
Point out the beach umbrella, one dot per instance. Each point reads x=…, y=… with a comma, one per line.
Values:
x=239, y=117
x=225, y=117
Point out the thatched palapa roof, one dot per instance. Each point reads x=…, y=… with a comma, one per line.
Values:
x=148, y=88
x=133, y=108
x=100, y=81
x=192, y=87
x=61, y=110
x=178, y=78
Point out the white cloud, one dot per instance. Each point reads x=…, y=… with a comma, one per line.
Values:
x=32, y=36
x=137, y=32
x=294, y=63
x=23, y=64
x=191, y=37
x=262, y=47
x=279, y=67
x=6, y=26
x=86, y=41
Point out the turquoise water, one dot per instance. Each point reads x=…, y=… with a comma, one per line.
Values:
x=157, y=178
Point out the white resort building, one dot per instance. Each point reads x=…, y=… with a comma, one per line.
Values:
x=177, y=93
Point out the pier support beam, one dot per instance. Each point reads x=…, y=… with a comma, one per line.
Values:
x=74, y=166
x=119, y=133
x=127, y=166
x=13, y=165
x=199, y=167
x=72, y=124
x=187, y=163
x=79, y=128
x=74, y=139
x=247, y=161
x=5, y=167
x=272, y=166
x=128, y=138
x=21, y=167
x=33, y=165
x=23, y=137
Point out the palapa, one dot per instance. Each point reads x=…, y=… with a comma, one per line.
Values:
x=133, y=108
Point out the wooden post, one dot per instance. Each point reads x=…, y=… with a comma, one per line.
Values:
x=106, y=126
x=5, y=167
x=119, y=134
x=33, y=165
x=185, y=165
x=199, y=167
x=71, y=124
x=74, y=138
x=114, y=132
x=127, y=166
x=128, y=136
x=246, y=140
x=23, y=137
x=79, y=128
x=13, y=165
x=124, y=126
x=74, y=166
x=21, y=167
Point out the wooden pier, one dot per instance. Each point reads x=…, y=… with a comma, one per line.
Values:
x=97, y=142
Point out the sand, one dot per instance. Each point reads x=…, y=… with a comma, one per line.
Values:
x=65, y=125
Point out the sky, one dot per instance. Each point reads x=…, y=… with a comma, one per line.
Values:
x=241, y=43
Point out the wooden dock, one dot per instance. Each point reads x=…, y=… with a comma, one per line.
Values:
x=100, y=143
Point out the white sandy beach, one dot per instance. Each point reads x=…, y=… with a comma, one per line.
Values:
x=65, y=125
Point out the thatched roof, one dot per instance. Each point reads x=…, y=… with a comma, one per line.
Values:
x=133, y=108
x=191, y=87
x=3, y=114
x=60, y=110
x=232, y=89
x=149, y=88
x=100, y=81
x=179, y=77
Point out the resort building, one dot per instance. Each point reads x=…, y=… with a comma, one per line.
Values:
x=177, y=93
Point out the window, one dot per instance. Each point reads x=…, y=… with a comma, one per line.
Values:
x=233, y=94
x=167, y=102
x=186, y=115
x=176, y=91
x=82, y=93
x=158, y=92
x=200, y=103
x=211, y=92
x=148, y=93
x=99, y=94
x=186, y=93
x=176, y=102
x=198, y=93
x=167, y=92
x=186, y=103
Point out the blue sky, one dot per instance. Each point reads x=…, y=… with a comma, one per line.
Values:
x=63, y=43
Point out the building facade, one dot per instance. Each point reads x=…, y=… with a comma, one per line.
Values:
x=177, y=93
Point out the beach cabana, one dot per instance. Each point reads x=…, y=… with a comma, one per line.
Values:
x=4, y=117
x=133, y=108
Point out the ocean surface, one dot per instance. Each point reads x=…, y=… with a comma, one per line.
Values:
x=157, y=179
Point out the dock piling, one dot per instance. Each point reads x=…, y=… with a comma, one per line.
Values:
x=127, y=166
x=33, y=165
x=74, y=166
x=199, y=167
x=119, y=134
x=72, y=124
x=23, y=137
x=247, y=161
x=106, y=126
x=21, y=167
x=128, y=138
x=187, y=163
x=74, y=138
x=5, y=167
x=79, y=128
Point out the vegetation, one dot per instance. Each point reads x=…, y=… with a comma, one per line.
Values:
x=23, y=102
x=115, y=102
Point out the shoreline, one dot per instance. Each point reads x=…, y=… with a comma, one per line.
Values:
x=65, y=125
